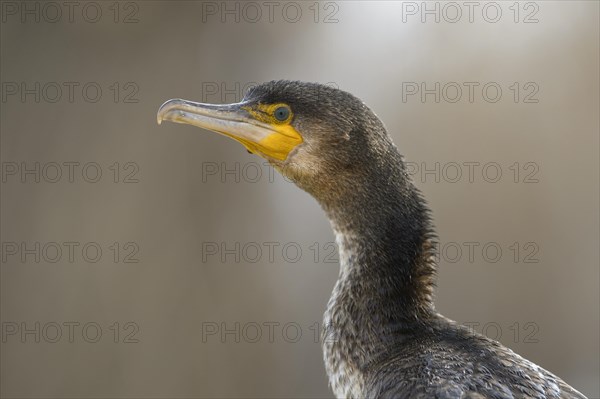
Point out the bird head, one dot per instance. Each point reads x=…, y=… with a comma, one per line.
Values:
x=316, y=135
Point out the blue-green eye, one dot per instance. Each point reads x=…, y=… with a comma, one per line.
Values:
x=282, y=113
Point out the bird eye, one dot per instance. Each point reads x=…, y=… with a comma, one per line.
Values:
x=282, y=113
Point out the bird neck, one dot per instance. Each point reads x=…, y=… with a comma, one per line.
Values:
x=387, y=271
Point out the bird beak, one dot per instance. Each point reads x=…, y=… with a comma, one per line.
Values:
x=234, y=121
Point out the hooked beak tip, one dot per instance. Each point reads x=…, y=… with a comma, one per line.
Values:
x=166, y=108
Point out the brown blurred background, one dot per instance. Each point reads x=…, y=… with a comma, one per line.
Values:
x=213, y=273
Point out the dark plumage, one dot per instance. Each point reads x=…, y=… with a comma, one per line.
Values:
x=389, y=340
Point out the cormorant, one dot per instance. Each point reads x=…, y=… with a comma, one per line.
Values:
x=390, y=341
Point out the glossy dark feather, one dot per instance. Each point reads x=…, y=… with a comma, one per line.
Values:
x=448, y=361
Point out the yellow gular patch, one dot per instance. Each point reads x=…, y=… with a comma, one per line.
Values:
x=284, y=138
